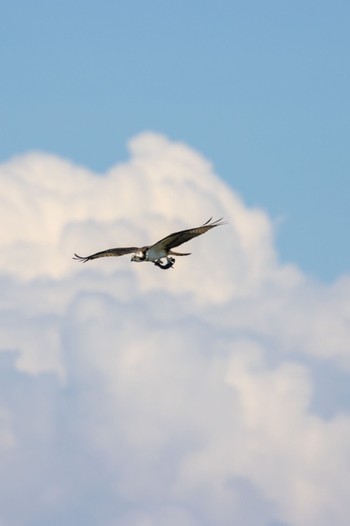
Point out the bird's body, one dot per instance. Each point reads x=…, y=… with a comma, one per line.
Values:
x=158, y=251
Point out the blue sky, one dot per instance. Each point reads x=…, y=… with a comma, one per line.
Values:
x=260, y=88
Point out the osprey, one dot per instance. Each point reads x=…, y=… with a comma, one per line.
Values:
x=160, y=250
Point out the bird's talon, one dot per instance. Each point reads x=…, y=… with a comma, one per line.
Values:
x=170, y=262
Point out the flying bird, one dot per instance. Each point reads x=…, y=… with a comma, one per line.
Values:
x=159, y=251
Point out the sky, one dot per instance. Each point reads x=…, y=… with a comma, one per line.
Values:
x=216, y=392
x=260, y=88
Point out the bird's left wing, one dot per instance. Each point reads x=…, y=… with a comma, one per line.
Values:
x=107, y=253
x=178, y=238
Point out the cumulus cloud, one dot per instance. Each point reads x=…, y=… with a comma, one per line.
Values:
x=133, y=396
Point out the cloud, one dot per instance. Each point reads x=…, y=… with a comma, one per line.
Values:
x=133, y=396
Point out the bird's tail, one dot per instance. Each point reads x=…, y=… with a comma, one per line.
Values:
x=172, y=253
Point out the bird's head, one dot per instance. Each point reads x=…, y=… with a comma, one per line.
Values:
x=140, y=255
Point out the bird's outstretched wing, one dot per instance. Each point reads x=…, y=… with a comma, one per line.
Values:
x=106, y=253
x=178, y=238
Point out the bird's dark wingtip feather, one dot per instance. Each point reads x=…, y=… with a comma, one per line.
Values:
x=217, y=222
x=80, y=258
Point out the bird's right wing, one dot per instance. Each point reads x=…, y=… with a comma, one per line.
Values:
x=107, y=253
x=178, y=238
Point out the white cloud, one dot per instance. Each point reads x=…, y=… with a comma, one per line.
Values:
x=134, y=396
